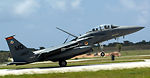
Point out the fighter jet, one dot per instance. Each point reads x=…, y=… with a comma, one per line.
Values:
x=79, y=45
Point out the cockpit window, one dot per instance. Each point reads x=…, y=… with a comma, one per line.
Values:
x=104, y=27
x=93, y=29
x=108, y=26
x=113, y=26
x=96, y=29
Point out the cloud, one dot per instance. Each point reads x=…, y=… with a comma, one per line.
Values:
x=130, y=4
x=25, y=7
x=142, y=8
x=58, y=4
x=76, y=3
x=64, y=5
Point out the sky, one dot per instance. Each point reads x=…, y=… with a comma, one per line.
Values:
x=34, y=22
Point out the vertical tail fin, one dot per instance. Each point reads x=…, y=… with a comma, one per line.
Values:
x=19, y=52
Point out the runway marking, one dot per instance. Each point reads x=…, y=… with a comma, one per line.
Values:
x=111, y=66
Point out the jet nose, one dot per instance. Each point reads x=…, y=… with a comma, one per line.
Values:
x=139, y=28
x=136, y=28
x=130, y=29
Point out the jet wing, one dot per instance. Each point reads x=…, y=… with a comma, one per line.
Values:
x=56, y=50
x=46, y=53
x=66, y=45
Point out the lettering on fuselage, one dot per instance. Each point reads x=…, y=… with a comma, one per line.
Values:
x=19, y=47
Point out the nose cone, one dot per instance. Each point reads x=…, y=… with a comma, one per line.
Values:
x=129, y=29
x=135, y=28
x=132, y=28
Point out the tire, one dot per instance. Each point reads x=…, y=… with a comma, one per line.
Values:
x=62, y=63
x=102, y=54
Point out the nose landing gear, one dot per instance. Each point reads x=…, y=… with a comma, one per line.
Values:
x=102, y=54
x=100, y=47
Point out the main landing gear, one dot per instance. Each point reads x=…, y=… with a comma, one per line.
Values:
x=62, y=63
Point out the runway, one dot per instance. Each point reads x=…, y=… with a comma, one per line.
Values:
x=110, y=66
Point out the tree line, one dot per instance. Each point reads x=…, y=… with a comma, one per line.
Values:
x=128, y=43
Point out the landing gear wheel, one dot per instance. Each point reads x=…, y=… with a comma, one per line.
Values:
x=102, y=54
x=62, y=63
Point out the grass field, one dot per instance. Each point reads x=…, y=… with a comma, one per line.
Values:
x=126, y=73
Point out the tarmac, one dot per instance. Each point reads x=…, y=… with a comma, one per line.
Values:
x=98, y=67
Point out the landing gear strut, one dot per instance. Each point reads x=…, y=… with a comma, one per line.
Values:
x=62, y=63
x=101, y=49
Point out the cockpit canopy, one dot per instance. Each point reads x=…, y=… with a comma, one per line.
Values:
x=104, y=27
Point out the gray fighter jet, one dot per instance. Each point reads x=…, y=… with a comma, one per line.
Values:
x=80, y=45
